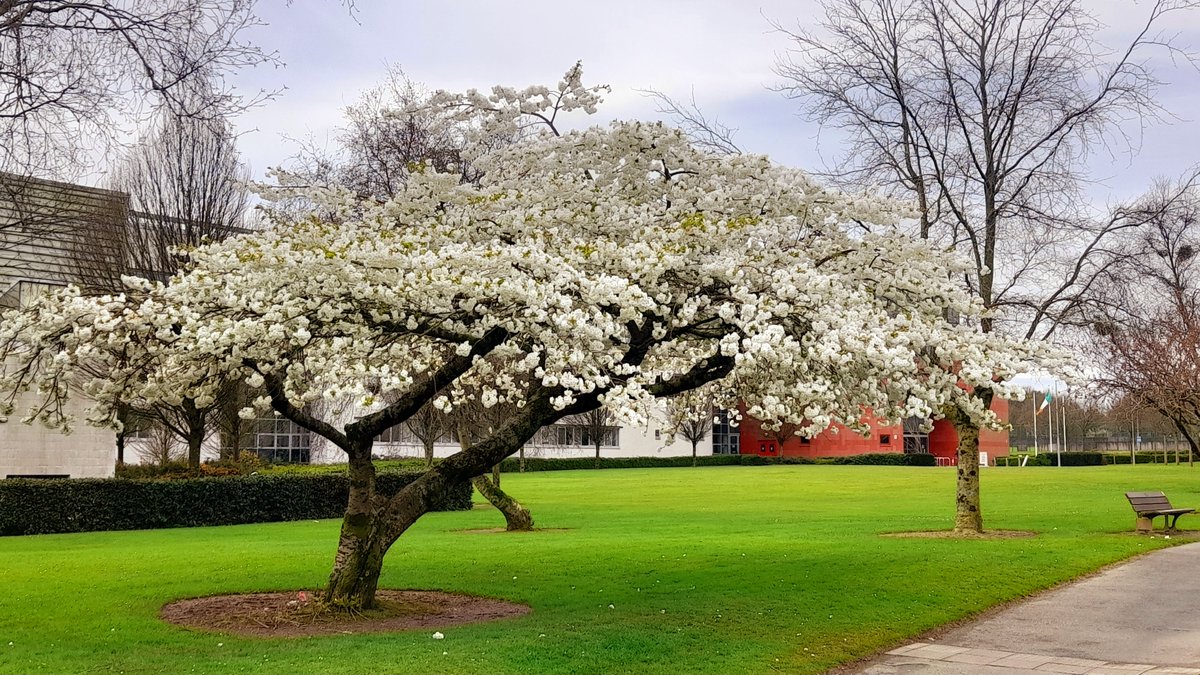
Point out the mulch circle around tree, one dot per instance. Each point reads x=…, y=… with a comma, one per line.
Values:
x=296, y=614
x=951, y=534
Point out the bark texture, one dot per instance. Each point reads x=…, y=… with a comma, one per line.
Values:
x=359, y=558
x=968, y=513
x=516, y=517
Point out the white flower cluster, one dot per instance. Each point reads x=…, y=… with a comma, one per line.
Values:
x=507, y=113
x=611, y=260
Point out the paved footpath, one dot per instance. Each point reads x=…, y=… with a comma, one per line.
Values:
x=1139, y=617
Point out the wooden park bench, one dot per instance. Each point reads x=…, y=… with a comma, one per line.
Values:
x=1148, y=505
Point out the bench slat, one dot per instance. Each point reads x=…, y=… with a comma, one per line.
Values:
x=1163, y=504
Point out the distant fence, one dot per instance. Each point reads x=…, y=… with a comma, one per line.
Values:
x=1151, y=442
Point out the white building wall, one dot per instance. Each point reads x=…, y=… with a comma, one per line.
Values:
x=650, y=440
x=646, y=441
x=44, y=226
x=34, y=450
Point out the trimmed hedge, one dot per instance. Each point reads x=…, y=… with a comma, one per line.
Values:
x=1145, y=457
x=90, y=504
x=887, y=459
x=513, y=464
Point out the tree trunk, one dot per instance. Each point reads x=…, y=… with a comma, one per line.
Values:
x=968, y=516
x=195, y=441
x=516, y=517
x=694, y=453
x=428, y=453
x=195, y=419
x=370, y=527
x=522, y=459
x=231, y=439
x=360, y=551
x=120, y=449
x=597, y=455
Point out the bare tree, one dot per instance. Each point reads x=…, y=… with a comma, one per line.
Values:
x=429, y=425
x=389, y=132
x=76, y=73
x=160, y=446
x=597, y=425
x=691, y=415
x=1147, y=340
x=186, y=186
x=983, y=112
x=395, y=129
x=705, y=132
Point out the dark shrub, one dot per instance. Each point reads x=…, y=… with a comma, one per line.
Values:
x=84, y=505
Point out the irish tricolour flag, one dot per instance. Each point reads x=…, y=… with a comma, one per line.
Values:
x=1045, y=402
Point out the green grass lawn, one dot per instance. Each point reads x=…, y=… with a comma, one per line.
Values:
x=713, y=569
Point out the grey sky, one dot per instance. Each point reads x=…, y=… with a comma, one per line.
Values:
x=723, y=50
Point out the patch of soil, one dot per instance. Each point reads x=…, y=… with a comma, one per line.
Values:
x=501, y=530
x=296, y=614
x=951, y=534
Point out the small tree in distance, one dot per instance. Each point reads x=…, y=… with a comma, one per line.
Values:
x=428, y=425
x=690, y=414
x=595, y=425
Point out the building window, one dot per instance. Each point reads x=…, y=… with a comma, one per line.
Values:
x=398, y=435
x=575, y=435
x=281, y=441
x=885, y=439
x=724, y=435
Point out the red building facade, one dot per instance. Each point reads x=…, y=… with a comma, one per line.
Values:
x=838, y=441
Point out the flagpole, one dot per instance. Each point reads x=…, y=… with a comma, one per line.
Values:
x=1050, y=427
x=1062, y=413
x=1035, y=414
x=1058, y=449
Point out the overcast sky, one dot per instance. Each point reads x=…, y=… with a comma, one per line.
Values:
x=724, y=51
